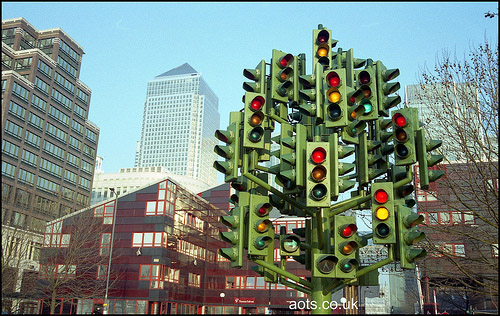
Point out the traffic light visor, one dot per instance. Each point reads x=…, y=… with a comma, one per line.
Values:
x=257, y=103
x=399, y=119
x=382, y=213
x=318, y=155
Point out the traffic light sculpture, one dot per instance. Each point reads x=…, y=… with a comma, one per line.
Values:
x=335, y=110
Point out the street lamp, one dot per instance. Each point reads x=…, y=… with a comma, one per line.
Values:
x=222, y=296
x=106, y=302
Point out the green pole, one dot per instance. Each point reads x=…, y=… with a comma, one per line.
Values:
x=320, y=226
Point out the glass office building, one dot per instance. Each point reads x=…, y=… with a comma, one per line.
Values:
x=179, y=122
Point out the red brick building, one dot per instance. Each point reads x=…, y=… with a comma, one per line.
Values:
x=460, y=272
x=166, y=255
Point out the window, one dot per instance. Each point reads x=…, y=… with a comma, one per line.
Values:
x=32, y=139
x=494, y=250
x=172, y=275
x=105, y=244
x=106, y=212
x=102, y=271
x=61, y=99
x=53, y=150
x=35, y=121
x=153, y=273
x=38, y=103
x=54, y=237
x=41, y=86
x=56, y=132
x=50, y=167
x=44, y=68
x=158, y=239
x=25, y=177
x=8, y=169
x=194, y=279
x=165, y=204
x=10, y=149
x=457, y=250
x=17, y=110
x=20, y=92
x=77, y=127
x=13, y=129
x=64, y=83
x=73, y=160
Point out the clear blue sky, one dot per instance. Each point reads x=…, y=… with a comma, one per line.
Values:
x=127, y=44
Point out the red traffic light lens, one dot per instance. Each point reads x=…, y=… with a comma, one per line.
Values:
x=264, y=209
x=381, y=196
x=323, y=36
x=333, y=79
x=257, y=103
x=286, y=60
x=318, y=155
x=349, y=230
x=399, y=119
x=364, y=77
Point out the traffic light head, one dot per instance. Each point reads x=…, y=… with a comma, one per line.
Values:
x=336, y=98
x=318, y=182
x=231, y=152
x=254, y=115
x=261, y=231
x=235, y=222
x=366, y=82
x=258, y=76
x=386, y=88
x=346, y=245
x=383, y=215
x=283, y=71
x=403, y=136
x=408, y=236
x=322, y=44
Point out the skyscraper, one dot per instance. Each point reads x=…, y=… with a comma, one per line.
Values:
x=48, y=147
x=48, y=144
x=179, y=122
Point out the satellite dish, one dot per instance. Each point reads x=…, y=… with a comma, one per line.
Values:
x=138, y=253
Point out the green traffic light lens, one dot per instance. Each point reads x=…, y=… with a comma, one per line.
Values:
x=334, y=112
x=402, y=151
x=368, y=107
x=318, y=192
x=255, y=134
x=382, y=230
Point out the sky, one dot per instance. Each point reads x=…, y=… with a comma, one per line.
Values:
x=127, y=44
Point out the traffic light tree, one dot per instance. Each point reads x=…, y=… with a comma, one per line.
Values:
x=339, y=111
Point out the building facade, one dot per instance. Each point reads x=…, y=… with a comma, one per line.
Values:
x=48, y=143
x=165, y=257
x=460, y=272
x=179, y=122
x=128, y=179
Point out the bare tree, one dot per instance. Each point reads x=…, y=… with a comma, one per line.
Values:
x=20, y=250
x=462, y=98
x=77, y=267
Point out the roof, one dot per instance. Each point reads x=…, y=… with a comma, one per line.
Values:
x=183, y=69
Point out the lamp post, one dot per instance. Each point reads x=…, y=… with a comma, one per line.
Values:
x=222, y=296
x=106, y=302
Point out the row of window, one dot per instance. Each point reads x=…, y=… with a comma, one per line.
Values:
x=448, y=218
x=253, y=283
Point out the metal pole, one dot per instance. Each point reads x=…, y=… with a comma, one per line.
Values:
x=105, y=309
